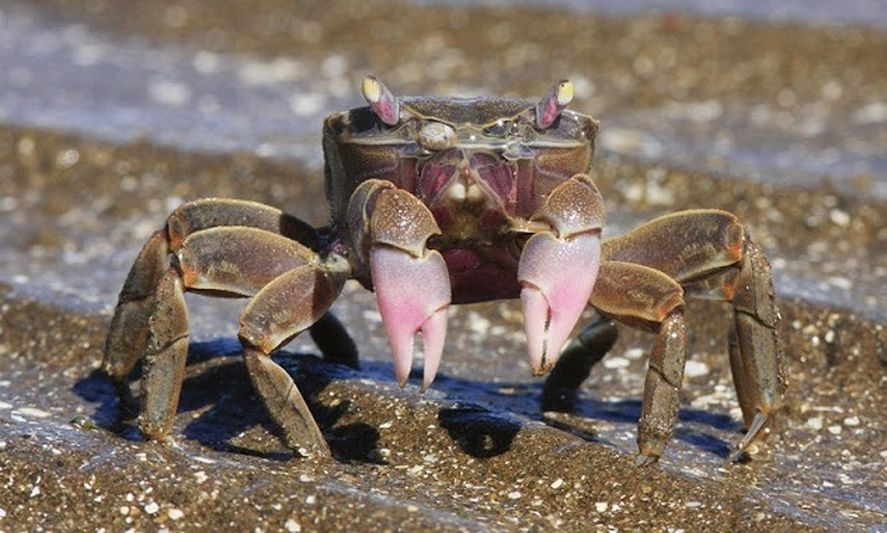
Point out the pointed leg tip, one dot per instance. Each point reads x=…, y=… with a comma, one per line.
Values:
x=643, y=461
x=738, y=457
x=747, y=447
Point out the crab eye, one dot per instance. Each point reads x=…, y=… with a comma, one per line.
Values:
x=437, y=136
x=383, y=104
x=552, y=104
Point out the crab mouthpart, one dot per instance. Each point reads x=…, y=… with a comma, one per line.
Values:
x=413, y=295
x=557, y=276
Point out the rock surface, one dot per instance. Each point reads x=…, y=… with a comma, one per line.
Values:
x=111, y=115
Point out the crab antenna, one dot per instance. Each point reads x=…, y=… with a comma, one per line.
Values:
x=381, y=101
x=553, y=103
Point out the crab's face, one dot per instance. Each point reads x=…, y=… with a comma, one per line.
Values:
x=480, y=164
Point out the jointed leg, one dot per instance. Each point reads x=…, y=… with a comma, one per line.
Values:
x=759, y=373
x=127, y=338
x=286, y=306
x=299, y=292
x=231, y=259
x=708, y=252
x=638, y=295
x=165, y=356
x=659, y=410
x=128, y=335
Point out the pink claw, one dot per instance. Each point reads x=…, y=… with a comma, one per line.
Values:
x=557, y=277
x=413, y=296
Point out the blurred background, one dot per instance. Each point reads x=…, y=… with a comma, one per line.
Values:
x=113, y=112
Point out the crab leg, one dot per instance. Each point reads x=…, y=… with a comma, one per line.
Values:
x=558, y=268
x=165, y=356
x=411, y=282
x=760, y=375
x=250, y=260
x=289, y=304
x=128, y=334
x=643, y=296
x=709, y=253
x=129, y=328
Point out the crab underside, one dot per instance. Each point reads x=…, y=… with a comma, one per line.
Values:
x=439, y=201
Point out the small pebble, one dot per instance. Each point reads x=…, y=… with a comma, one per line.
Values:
x=834, y=430
x=695, y=369
x=600, y=507
x=514, y=495
x=83, y=422
x=851, y=421
x=33, y=411
x=840, y=218
x=175, y=514
x=557, y=483
x=292, y=526
x=152, y=508
x=815, y=423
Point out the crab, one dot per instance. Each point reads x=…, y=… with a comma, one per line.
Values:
x=438, y=201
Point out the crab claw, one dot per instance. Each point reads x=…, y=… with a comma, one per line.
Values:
x=413, y=295
x=557, y=276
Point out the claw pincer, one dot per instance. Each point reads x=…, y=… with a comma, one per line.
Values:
x=558, y=268
x=411, y=282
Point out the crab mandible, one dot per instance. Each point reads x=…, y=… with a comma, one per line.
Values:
x=439, y=201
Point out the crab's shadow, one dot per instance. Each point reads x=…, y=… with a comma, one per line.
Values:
x=580, y=411
x=220, y=410
x=224, y=409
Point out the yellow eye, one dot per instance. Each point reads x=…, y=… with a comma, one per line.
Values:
x=371, y=89
x=564, y=93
